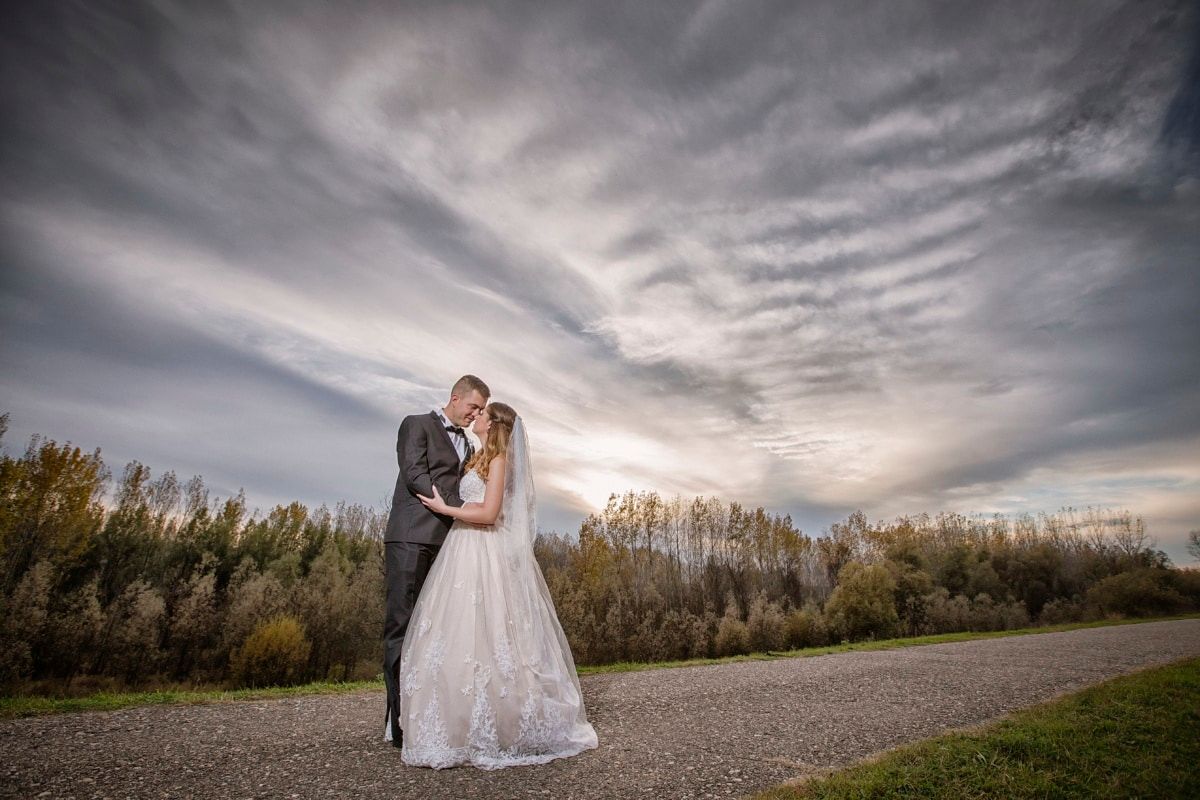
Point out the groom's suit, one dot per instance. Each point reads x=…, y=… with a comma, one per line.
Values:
x=427, y=458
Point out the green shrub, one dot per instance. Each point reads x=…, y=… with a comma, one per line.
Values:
x=23, y=624
x=806, y=628
x=1139, y=593
x=703, y=631
x=1062, y=610
x=675, y=635
x=1187, y=583
x=766, y=625
x=275, y=654
x=733, y=637
x=649, y=642
x=16, y=665
x=912, y=584
x=945, y=614
x=135, y=622
x=863, y=604
x=988, y=615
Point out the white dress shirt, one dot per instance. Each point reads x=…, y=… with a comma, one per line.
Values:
x=459, y=440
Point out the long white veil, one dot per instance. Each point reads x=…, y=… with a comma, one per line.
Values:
x=544, y=643
x=518, y=515
x=515, y=530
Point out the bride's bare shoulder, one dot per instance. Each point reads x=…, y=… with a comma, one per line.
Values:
x=496, y=468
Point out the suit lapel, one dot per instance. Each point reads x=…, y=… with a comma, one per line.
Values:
x=437, y=421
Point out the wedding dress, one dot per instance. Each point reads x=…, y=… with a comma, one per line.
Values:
x=486, y=675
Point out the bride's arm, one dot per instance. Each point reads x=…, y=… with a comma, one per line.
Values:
x=484, y=513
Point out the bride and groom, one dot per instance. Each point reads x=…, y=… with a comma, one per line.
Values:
x=477, y=668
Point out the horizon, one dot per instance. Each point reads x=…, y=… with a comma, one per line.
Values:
x=1108, y=516
x=914, y=258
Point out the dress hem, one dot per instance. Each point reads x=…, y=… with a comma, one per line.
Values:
x=462, y=757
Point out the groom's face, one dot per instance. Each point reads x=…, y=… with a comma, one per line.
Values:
x=463, y=410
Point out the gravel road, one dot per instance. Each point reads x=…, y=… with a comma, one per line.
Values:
x=715, y=731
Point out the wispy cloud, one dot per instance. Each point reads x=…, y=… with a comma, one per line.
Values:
x=900, y=257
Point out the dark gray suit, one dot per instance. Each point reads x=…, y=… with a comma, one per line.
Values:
x=425, y=452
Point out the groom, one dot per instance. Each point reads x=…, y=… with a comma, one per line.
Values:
x=432, y=449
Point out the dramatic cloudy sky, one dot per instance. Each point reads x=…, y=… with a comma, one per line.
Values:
x=896, y=256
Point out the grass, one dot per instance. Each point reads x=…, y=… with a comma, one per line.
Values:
x=880, y=644
x=36, y=705
x=1134, y=736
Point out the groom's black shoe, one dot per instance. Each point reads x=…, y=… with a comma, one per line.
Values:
x=397, y=733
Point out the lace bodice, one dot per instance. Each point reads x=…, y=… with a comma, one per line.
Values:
x=471, y=488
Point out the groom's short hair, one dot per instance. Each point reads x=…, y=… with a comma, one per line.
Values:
x=468, y=383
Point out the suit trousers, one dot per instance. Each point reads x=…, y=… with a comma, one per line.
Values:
x=406, y=564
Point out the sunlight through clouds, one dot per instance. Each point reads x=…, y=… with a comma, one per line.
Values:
x=892, y=257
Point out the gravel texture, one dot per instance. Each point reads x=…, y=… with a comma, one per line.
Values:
x=714, y=731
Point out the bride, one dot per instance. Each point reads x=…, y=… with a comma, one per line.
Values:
x=486, y=674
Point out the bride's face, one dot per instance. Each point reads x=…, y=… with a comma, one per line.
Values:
x=482, y=423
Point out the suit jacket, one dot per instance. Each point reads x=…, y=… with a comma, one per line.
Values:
x=427, y=457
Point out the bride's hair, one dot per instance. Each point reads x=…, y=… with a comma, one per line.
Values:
x=503, y=418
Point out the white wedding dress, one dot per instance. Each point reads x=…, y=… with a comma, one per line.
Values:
x=486, y=675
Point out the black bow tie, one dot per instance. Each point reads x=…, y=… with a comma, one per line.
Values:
x=455, y=429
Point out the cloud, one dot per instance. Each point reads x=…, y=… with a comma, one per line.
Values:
x=820, y=257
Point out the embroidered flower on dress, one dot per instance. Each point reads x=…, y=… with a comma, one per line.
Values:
x=431, y=731
x=436, y=655
x=503, y=658
x=410, y=682
x=481, y=735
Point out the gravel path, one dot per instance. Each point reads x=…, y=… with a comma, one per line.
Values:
x=714, y=731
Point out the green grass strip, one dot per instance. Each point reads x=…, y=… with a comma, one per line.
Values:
x=30, y=706
x=1134, y=736
x=881, y=644
x=36, y=705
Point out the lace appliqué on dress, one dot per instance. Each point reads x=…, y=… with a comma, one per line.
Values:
x=482, y=737
x=436, y=655
x=410, y=682
x=431, y=731
x=542, y=725
x=503, y=658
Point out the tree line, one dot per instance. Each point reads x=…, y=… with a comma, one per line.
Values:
x=164, y=584
x=653, y=579
x=141, y=581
